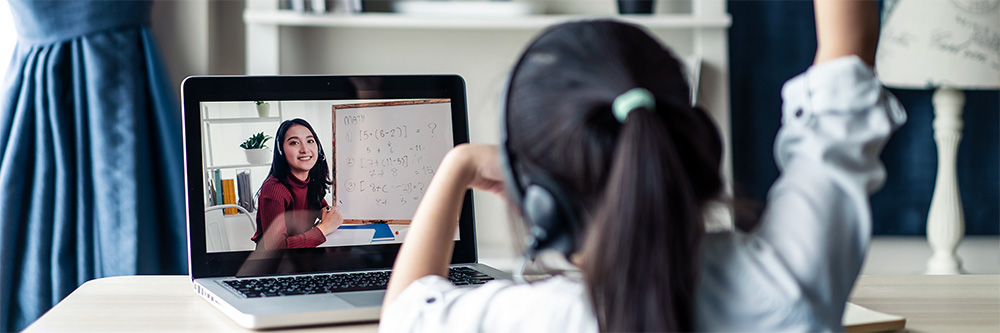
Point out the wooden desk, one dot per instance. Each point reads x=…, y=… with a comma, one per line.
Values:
x=148, y=303
x=934, y=303
x=963, y=303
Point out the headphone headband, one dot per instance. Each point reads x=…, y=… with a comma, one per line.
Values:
x=547, y=210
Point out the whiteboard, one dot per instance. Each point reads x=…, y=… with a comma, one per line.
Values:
x=386, y=157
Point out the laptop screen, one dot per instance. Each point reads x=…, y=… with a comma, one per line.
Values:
x=258, y=149
x=379, y=156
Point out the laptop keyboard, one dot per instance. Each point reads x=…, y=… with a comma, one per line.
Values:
x=334, y=283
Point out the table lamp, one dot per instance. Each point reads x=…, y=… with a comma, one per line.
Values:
x=947, y=45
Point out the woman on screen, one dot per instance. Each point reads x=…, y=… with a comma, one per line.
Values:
x=291, y=198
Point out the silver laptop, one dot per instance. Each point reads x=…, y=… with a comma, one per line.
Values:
x=383, y=138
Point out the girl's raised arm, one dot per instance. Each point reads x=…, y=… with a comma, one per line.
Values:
x=846, y=27
x=429, y=244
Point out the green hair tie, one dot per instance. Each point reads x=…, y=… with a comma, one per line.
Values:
x=631, y=100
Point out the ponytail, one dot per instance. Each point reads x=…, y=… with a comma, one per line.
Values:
x=641, y=250
x=639, y=182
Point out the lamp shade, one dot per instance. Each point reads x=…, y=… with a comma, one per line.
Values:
x=933, y=43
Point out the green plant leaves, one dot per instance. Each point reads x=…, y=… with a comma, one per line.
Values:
x=256, y=141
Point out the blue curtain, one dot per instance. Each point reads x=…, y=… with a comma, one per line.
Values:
x=91, y=181
x=771, y=41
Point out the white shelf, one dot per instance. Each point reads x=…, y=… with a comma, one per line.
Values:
x=243, y=120
x=236, y=166
x=207, y=152
x=388, y=20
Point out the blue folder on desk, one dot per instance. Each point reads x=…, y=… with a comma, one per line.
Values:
x=382, y=231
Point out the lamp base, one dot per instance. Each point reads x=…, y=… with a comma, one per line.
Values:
x=948, y=264
x=946, y=220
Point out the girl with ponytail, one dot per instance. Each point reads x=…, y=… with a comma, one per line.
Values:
x=598, y=116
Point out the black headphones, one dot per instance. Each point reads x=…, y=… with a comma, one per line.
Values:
x=552, y=220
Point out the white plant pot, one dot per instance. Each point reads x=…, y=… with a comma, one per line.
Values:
x=258, y=156
x=263, y=110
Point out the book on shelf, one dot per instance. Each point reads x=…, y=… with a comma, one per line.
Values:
x=229, y=196
x=311, y=6
x=243, y=189
x=218, y=187
x=318, y=6
x=352, y=6
x=210, y=189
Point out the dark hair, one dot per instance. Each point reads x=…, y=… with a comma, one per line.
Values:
x=641, y=184
x=319, y=175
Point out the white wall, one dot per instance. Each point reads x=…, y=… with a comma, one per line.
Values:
x=181, y=28
x=199, y=37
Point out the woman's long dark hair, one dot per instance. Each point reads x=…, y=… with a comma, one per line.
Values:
x=642, y=183
x=319, y=175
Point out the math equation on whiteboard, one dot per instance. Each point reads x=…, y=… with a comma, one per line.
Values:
x=386, y=157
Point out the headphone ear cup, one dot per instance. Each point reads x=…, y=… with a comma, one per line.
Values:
x=549, y=222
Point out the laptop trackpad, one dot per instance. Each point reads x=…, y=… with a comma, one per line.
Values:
x=364, y=298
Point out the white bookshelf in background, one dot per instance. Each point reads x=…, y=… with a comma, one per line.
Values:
x=209, y=156
x=214, y=127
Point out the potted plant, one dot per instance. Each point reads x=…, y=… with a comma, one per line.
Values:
x=263, y=109
x=256, y=149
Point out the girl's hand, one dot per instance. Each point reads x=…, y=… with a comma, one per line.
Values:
x=428, y=246
x=331, y=220
x=481, y=166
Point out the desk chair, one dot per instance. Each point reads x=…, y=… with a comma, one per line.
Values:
x=228, y=234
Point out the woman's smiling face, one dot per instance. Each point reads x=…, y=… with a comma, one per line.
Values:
x=301, y=150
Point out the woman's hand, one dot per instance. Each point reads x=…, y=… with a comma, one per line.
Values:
x=331, y=220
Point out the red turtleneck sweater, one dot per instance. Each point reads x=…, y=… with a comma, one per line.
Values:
x=284, y=216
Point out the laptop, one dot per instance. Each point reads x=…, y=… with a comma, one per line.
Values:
x=383, y=138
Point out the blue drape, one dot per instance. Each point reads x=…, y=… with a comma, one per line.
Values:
x=90, y=155
x=771, y=41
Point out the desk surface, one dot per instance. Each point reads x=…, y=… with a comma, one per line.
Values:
x=934, y=303
x=963, y=303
